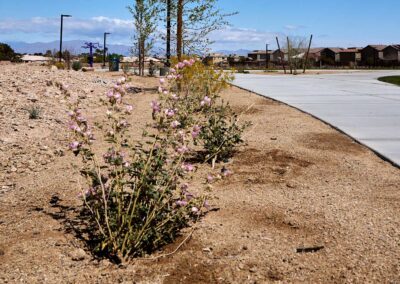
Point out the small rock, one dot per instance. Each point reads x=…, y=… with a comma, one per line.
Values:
x=78, y=255
x=207, y=249
x=253, y=269
x=53, y=68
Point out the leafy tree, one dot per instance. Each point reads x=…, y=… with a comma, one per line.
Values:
x=196, y=19
x=145, y=16
x=7, y=53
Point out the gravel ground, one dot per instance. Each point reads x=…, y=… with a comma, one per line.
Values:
x=305, y=203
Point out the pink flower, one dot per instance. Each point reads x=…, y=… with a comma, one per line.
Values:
x=74, y=145
x=195, y=209
x=181, y=65
x=75, y=127
x=155, y=106
x=128, y=109
x=210, y=178
x=196, y=131
x=182, y=150
x=187, y=167
x=117, y=97
x=120, y=81
x=169, y=112
x=206, y=101
x=122, y=124
x=81, y=119
x=162, y=81
x=71, y=113
x=192, y=61
x=175, y=124
x=181, y=203
x=110, y=94
x=172, y=70
x=175, y=97
x=160, y=89
x=226, y=172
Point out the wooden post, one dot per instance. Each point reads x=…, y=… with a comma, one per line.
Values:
x=282, y=55
x=289, y=55
x=308, y=52
x=179, y=30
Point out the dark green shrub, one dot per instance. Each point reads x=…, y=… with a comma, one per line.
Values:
x=76, y=65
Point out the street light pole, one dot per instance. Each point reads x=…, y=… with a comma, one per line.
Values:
x=61, y=33
x=105, y=49
x=266, y=56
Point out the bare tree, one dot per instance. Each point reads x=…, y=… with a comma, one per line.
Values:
x=296, y=48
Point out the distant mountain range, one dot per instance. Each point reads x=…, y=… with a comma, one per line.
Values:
x=75, y=46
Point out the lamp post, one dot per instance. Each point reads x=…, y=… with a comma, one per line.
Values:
x=61, y=33
x=105, y=49
x=266, y=56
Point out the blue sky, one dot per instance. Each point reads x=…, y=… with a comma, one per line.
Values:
x=333, y=23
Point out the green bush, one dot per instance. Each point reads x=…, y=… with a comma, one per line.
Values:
x=34, y=112
x=7, y=53
x=76, y=65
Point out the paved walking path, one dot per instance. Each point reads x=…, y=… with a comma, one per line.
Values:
x=356, y=103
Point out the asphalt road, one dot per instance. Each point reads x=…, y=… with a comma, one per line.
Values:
x=356, y=103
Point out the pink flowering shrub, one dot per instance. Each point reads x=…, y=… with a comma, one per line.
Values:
x=190, y=101
x=136, y=193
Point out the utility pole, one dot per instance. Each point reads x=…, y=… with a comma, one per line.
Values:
x=61, y=33
x=308, y=53
x=168, y=64
x=289, y=50
x=105, y=49
x=266, y=56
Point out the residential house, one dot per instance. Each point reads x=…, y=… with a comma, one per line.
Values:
x=215, y=58
x=260, y=55
x=391, y=54
x=372, y=55
x=330, y=56
x=350, y=56
x=277, y=56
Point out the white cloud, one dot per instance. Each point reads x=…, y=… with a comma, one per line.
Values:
x=293, y=27
x=73, y=27
x=236, y=38
x=122, y=30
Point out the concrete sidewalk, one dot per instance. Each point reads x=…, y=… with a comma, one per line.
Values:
x=356, y=103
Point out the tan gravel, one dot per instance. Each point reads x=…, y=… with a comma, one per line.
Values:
x=297, y=184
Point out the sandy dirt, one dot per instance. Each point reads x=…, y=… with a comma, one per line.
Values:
x=298, y=185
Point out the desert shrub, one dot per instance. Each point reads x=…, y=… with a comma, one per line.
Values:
x=34, y=112
x=221, y=133
x=136, y=192
x=76, y=65
x=191, y=97
x=60, y=65
x=6, y=52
